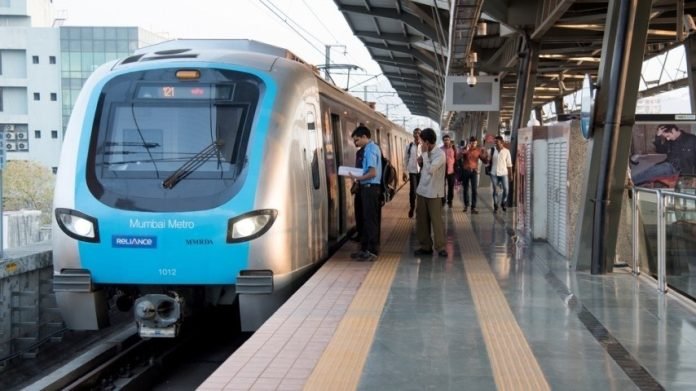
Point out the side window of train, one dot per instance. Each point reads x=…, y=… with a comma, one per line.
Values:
x=313, y=144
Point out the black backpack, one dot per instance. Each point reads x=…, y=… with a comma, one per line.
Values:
x=388, y=183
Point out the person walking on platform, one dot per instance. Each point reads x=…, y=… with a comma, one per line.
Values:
x=412, y=167
x=369, y=184
x=429, y=195
x=501, y=170
x=470, y=170
x=451, y=156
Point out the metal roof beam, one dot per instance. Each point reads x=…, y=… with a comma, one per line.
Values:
x=390, y=13
x=550, y=17
x=406, y=50
x=397, y=62
x=391, y=37
x=421, y=78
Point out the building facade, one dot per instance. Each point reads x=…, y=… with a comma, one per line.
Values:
x=29, y=83
x=42, y=69
x=84, y=49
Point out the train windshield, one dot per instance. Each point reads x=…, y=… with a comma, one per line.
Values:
x=158, y=138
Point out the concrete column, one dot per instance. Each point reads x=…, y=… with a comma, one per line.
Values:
x=558, y=103
x=526, y=80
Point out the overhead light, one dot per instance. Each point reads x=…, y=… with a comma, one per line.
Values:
x=481, y=28
x=580, y=26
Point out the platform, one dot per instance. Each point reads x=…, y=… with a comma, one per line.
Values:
x=497, y=313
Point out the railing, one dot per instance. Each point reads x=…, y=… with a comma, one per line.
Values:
x=676, y=212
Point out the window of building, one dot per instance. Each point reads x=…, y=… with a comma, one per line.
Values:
x=0, y=99
x=37, y=96
x=51, y=59
x=5, y=3
x=54, y=169
x=54, y=96
x=54, y=134
x=35, y=59
x=37, y=134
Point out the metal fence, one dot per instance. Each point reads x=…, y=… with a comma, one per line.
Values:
x=664, y=237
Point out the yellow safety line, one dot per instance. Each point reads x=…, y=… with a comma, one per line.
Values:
x=340, y=366
x=513, y=363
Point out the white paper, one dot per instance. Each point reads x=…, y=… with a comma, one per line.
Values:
x=346, y=170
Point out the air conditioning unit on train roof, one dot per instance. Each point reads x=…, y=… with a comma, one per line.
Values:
x=10, y=146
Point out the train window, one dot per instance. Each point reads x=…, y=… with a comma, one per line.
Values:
x=186, y=138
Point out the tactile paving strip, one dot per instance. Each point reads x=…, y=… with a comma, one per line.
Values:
x=513, y=363
x=341, y=364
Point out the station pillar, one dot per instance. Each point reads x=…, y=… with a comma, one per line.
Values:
x=690, y=50
x=623, y=48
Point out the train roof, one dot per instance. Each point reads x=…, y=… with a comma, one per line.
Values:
x=201, y=48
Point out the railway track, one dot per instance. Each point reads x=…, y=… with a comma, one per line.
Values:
x=124, y=361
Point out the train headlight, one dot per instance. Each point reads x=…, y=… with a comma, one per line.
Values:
x=250, y=225
x=78, y=225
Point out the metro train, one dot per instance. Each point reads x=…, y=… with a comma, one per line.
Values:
x=199, y=173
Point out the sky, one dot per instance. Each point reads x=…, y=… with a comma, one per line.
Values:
x=302, y=26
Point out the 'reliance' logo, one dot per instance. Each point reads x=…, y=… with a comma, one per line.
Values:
x=199, y=242
x=129, y=241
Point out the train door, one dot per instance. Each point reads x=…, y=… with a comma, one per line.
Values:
x=332, y=160
x=390, y=153
x=313, y=156
x=349, y=151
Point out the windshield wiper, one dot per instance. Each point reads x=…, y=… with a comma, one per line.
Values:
x=193, y=164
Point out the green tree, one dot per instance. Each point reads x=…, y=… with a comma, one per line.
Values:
x=28, y=185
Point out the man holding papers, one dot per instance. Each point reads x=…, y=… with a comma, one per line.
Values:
x=369, y=178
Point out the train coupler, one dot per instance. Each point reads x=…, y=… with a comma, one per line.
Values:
x=159, y=315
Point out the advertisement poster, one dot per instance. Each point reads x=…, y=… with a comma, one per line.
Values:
x=663, y=151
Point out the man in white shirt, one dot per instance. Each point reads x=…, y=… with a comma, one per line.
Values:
x=430, y=191
x=411, y=166
x=501, y=170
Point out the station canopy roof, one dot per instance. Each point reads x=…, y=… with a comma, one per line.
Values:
x=418, y=42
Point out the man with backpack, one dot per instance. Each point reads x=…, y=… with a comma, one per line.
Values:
x=412, y=167
x=370, y=183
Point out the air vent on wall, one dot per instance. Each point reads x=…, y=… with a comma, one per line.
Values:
x=9, y=127
x=22, y=147
x=10, y=146
x=10, y=136
x=21, y=135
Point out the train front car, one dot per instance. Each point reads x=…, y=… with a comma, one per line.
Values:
x=156, y=206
